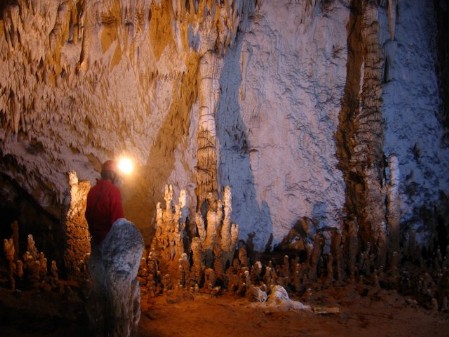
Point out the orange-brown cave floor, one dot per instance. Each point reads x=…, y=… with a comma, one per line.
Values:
x=377, y=313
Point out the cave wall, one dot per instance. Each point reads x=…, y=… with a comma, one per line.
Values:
x=413, y=111
x=277, y=122
x=304, y=102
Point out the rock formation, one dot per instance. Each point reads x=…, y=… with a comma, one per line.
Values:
x=77, y=237
x=114, y=301
x=327, y=111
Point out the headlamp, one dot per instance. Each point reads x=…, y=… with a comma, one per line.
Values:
x=125, y=165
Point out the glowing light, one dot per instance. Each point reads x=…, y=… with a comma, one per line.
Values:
x=125, y=165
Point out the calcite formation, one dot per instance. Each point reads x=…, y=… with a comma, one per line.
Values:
x=191, y=252
x=77, y=237
x=270, y=278
x=326, y=118
x=29, y=270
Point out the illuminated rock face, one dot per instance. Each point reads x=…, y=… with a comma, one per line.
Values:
x=296, y=105
x=77, y=237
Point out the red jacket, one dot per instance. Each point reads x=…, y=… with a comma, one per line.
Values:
x=104, y=207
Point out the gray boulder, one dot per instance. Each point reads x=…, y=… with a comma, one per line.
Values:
x=114, y=302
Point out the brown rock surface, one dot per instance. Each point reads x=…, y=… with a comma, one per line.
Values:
x=375, y=314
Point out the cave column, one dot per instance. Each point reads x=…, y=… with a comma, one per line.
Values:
x=371, y=133
x=209, y=93
x=361, y=131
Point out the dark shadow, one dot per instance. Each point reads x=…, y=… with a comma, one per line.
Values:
x=145, y=189
x=442, y=22
x=32, y=219
x=234, y=165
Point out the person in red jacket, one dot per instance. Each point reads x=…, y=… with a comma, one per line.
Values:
x=103, y=208
x=104, y=203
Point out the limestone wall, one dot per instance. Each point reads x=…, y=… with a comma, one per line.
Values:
x=296, y=105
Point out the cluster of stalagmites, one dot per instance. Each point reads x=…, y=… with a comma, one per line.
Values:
x=32, y=270
x=202, y=254
x=185, y=254
x=205, y=256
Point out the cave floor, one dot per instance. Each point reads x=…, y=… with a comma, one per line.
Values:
x=342, y=312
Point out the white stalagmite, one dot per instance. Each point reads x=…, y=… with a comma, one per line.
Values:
x=182, y=198
x=168, y=197
x=393, y=203
x=184, y=209
x=76, y=229
x=227, y=231
x=213, y=223
x=200, y=227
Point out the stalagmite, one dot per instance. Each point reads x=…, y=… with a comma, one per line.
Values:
x=171, y=234
x=43, y=266
x=8, y=247
x=19, y=270
x=267, y=276
x=197, y=260
x=318, y=244
x=184, y=270
x=31, y=247
x=213, y=217
x=76, y=229
x=393, y=204
x=352, y=243
x=337, y=249
x=33, y=267
x=212, y=249
x=330, y=269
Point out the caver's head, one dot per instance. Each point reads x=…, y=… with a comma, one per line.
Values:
x=110, y=171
